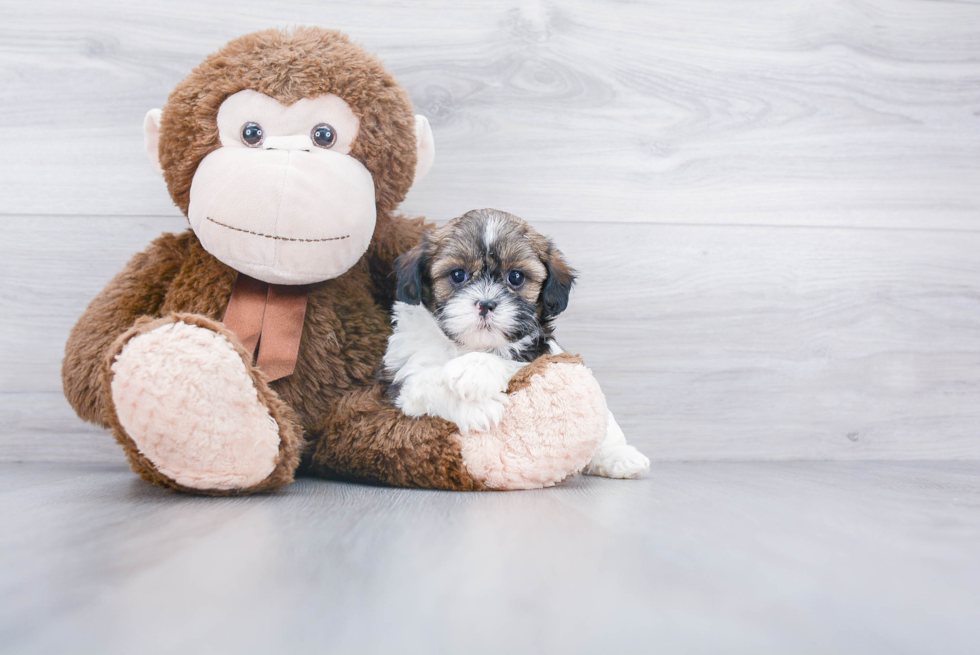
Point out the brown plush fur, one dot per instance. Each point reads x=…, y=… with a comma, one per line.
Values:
x=332, y=398
x=367, y=439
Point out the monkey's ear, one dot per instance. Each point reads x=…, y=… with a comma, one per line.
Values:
x=426, y=147
x=409, y=267
x=151, y=138
x=558, y=286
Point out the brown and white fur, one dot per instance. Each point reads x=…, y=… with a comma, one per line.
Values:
x=476, y=303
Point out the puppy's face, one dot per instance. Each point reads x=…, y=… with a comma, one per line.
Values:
x=489, y=279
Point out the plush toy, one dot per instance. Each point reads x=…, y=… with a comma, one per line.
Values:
x=228, y=357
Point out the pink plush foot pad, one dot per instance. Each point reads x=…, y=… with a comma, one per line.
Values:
x=551, y=429
x=185, y=398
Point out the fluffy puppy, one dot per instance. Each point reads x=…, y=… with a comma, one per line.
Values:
x=476, y=302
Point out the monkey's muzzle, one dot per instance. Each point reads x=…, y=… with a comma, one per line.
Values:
x=283, y=216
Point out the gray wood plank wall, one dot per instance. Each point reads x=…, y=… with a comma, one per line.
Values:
x=774, y=205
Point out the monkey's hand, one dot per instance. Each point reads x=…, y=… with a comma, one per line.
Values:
x=552, y=427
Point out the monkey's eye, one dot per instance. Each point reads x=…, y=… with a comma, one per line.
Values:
x=458, y=276
x=252, y=135
x=515, y=279
x=324, y=136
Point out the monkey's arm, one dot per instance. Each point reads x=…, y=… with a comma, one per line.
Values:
x=367, y=439
x=138, y=290
x=392, y=237
x=552, y=426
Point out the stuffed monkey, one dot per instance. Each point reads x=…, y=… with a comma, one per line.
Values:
x=228, y=357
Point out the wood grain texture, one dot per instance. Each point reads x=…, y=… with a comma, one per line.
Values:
x=710, y=342
x=799, y=558
x=840, y=113
x=773, y=204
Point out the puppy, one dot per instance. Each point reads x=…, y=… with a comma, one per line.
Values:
x=476, y=302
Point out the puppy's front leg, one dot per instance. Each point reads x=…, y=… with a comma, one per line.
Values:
x=478, y=376
x=424, y=393
x=479, y=383
x=468, y=390
x=616, y=458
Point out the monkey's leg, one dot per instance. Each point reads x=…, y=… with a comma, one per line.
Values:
x=552, y=426
x=193, y=414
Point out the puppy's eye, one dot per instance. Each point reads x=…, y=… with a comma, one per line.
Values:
x=515, y=279
x=252, y=135
x=324, y=136
x=458, y=276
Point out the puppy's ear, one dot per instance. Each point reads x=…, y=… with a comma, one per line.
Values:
x=554, y=293
x=410, y=269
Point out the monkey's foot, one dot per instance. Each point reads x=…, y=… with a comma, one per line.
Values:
x=555, y=422
x=194, y=415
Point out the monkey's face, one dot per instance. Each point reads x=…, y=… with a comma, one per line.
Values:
x=284, y=148
x=282, y=200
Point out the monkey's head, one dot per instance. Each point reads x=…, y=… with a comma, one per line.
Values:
x=283, y=149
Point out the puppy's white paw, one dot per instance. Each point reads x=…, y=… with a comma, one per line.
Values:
x=623, y=461
x=480, y=416
x=476, y=377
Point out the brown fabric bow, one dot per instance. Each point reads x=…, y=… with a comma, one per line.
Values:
x=271, y=317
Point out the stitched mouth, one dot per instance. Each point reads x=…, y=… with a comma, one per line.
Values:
x=272, y=236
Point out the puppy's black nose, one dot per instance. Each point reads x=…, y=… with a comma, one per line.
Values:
x=486, y=306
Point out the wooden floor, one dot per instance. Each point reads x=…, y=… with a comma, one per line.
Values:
x=776, y=557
